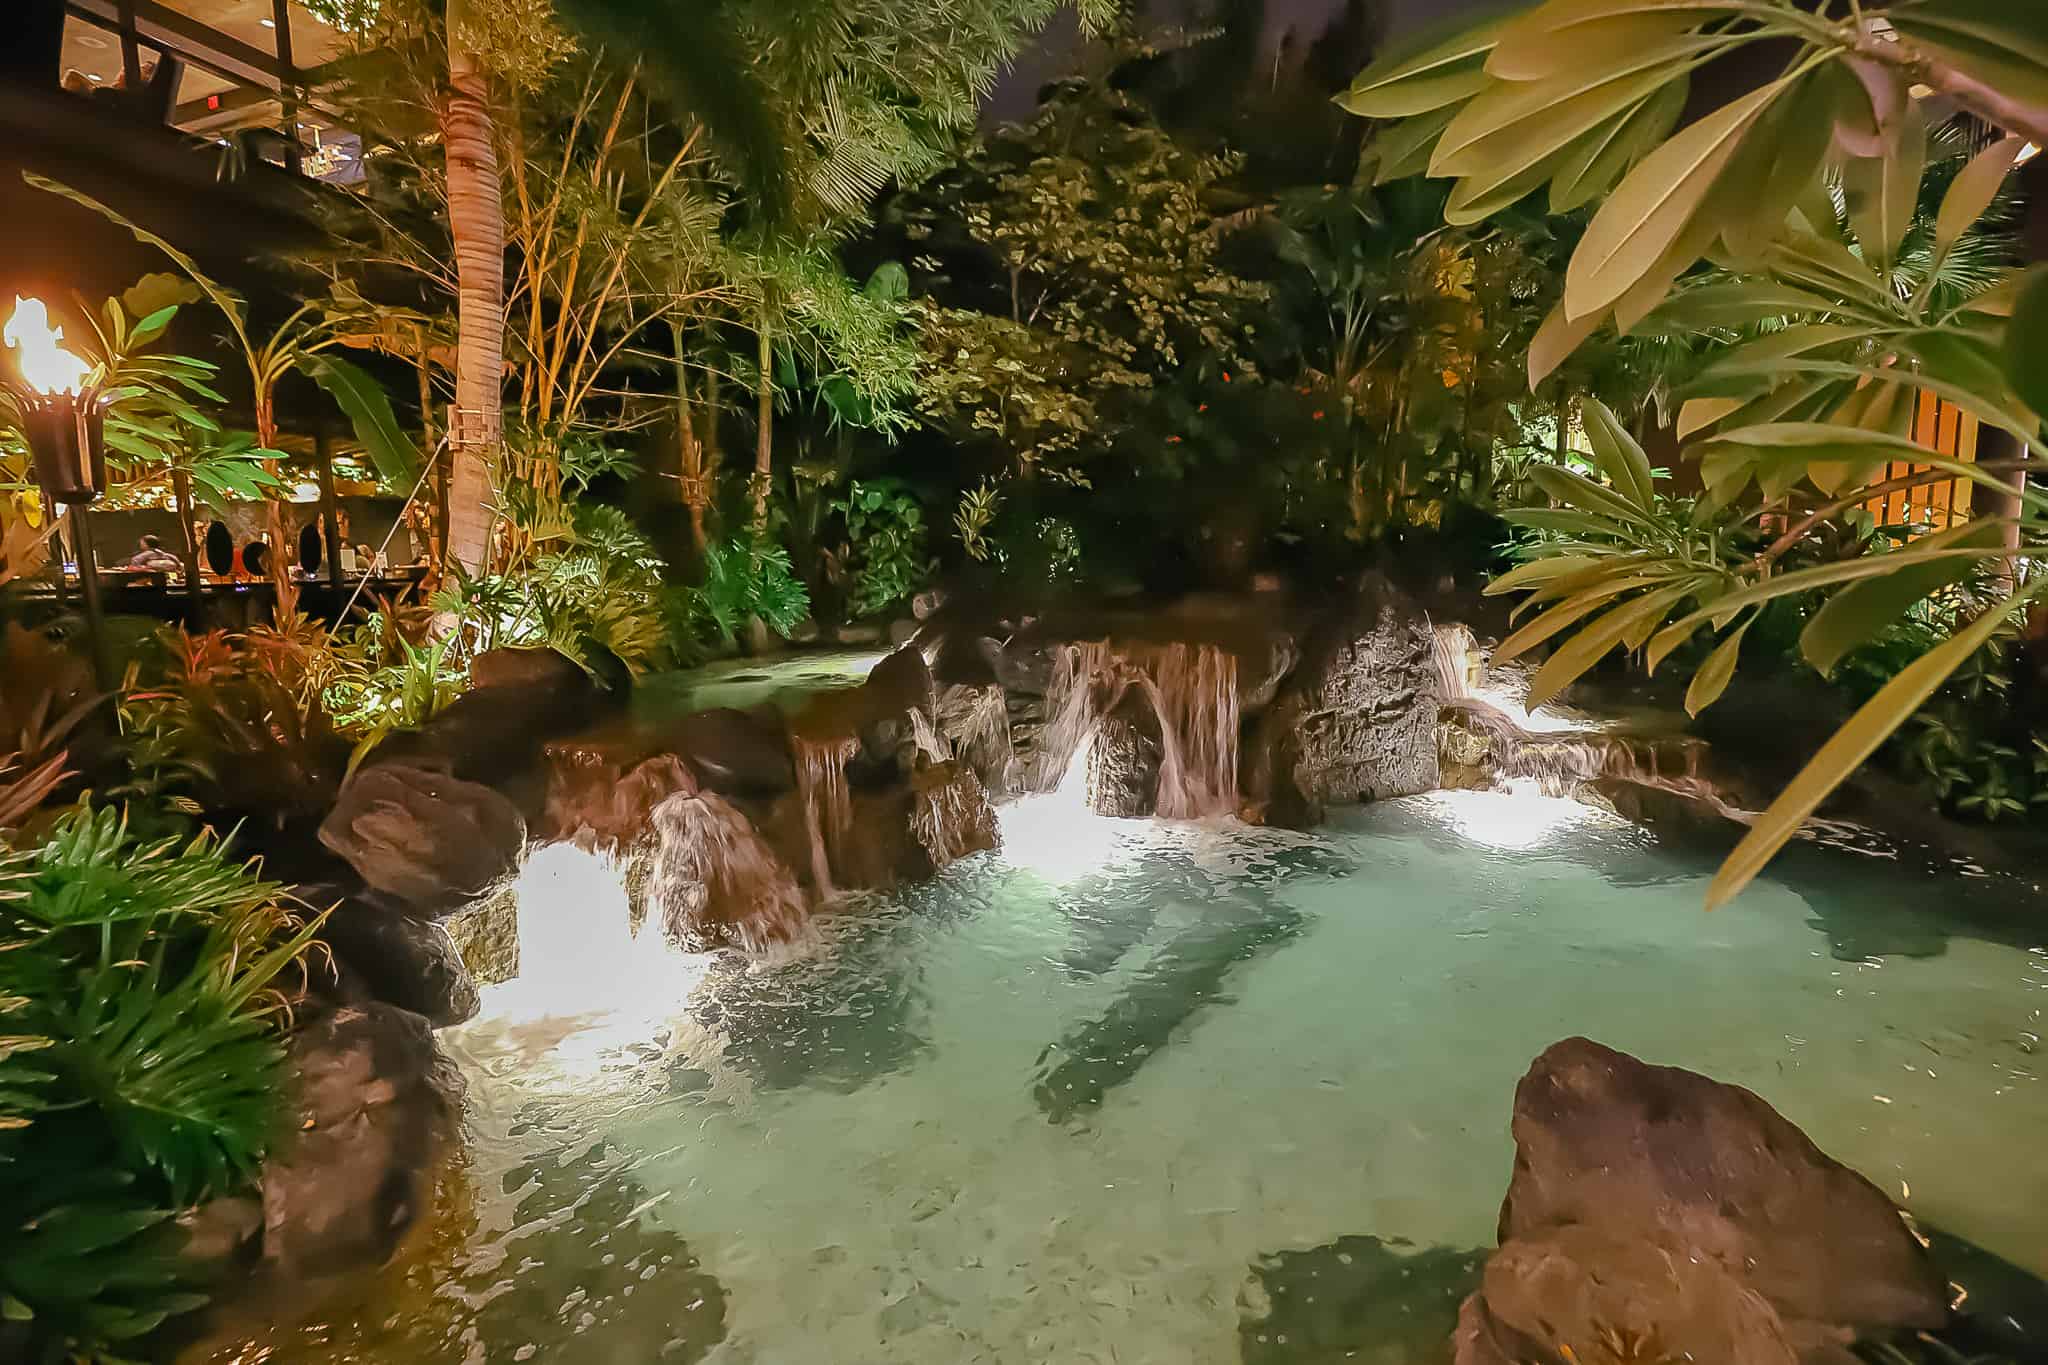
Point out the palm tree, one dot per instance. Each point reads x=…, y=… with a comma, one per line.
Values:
x=476, y=221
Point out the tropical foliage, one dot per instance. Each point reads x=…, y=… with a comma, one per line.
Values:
x=1834, y=312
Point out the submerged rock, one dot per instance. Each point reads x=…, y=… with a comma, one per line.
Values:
x=378, y=1105
x=1358, y=1300
x=429, y=839
x=1687, y=1218
x=1357, y=719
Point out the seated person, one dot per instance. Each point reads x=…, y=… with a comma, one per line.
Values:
x=151, y=555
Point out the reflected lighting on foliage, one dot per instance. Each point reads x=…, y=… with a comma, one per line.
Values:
x=1521, y=817
x=43, y=364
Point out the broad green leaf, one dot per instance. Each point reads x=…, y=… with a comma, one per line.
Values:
x=1593, y=643
x=1436, y=70
x=1734, y=303
x=1651, y=208
x=369, y=411
x=1517, y=123
x=1700, y=413
x=1404, y=148
x=1852, y=616
x=1618, y=455
x=1480, y=198
x=2026, y=341
x=1997, y=64
x=1560, y=39
x=1854, y=742
x=1776, y=168
x=1712, y=680
x=1540, y=571
x=1823, y=576
x=1556, y=340
x=1561, y=519
x=1971, y=193
x=1601, y=159
x=1573, y=609
x=1881, y=191
x=1572, y=487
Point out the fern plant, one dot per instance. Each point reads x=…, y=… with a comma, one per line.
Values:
x=140, y=1071
x=749, y=576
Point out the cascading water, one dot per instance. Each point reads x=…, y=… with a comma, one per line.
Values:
x=828, y=805
x=716, y=882
x=1193, y=690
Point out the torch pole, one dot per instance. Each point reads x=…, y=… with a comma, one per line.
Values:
x=89, y=589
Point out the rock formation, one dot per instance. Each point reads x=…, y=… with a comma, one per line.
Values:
x=1656, y=1211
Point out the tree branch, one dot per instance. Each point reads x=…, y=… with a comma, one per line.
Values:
x=1986, y=102
x=1878, y=490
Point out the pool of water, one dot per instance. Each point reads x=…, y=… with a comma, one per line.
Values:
x=1140, y=1093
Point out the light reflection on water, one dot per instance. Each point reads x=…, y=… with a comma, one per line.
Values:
x=1112, y=1096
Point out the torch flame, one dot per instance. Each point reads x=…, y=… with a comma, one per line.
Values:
x=46, y=366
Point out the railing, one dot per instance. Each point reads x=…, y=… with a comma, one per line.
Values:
x=1946, y=430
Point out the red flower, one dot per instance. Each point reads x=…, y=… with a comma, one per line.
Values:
x=1318, y=414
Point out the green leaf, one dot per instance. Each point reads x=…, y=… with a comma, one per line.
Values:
x=2001, y=24
x=1515, y=124
x=1650, y=209
x=2026, y=341
x=1881, y=191
x=2000, y=65
x=1439, y=66
x=1972, y=192
x=1602, y=158
x=1851, y=617
x=1573, y=609
x=1780, y=163
x=1403, y=149
x=1845, y=751
x=1712, y=680
x=368, y=409
x=1540, y=571
x=1556, y=340
x=1572, y=487
x=1618, y=455
x=1592, y=644
x=1584, y=35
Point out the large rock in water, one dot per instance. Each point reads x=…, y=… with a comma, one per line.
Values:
x=378, y=1105
x=399, y=959
x=735, y=753
x=422, y=836
x=1654, y=1206
x=1123, y=760
x=1357, y=720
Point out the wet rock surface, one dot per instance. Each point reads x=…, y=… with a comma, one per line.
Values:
x=377, y=1106
x=1357, y=720
x=431, y=840
x=399, y=959
x=1123, y=760
x=734, y=753
x=1654, y=1206
x=1358, y=1300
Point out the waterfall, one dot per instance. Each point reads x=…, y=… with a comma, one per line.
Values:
x=1562, y=760
x=1460, y=664
x=1193, y=690
x=828, y=805
x=951, y=816
x=715, y=881
x=928, y=741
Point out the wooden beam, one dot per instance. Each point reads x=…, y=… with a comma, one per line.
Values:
x=197, y=43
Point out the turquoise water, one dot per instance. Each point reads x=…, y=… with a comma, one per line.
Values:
x=1138, y=1093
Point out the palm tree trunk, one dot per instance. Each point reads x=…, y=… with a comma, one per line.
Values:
x=695, y=486
x=764, y=443
x=476, y=219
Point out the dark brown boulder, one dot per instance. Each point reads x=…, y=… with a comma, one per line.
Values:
x=536, y=670
x=495, y=732
x=1357, y=719
x=1687, y=1214
x=432, y=841
x=732, y=752
x=378, y=1105
x=398, y=959
x=603, y=788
